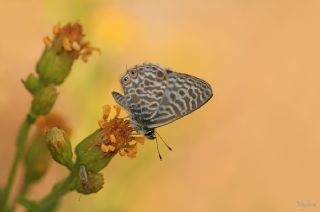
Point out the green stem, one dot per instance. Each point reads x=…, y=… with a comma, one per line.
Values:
x=50, y=202
x=24, y=190
x=22, y=194
x=20, y=142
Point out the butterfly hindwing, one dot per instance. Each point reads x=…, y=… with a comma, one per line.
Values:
x=183, y=95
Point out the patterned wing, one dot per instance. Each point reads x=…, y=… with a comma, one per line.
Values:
x=144, y=90
x=120, y=99
x=183, y=95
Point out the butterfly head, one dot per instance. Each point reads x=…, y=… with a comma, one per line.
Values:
x=149, y=134
x=142, y=75
x=130, y=77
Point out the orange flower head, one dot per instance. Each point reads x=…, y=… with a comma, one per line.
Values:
x=70, y=38
x=118, y=134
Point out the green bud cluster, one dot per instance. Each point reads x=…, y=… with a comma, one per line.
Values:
x=52, y=69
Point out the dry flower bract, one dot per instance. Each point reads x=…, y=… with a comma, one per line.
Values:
x=70, y=37
x=118, y=134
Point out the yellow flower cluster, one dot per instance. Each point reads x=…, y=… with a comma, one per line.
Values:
x=118, y=134
x=71, y=38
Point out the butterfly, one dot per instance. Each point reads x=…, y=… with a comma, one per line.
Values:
x=155, y=96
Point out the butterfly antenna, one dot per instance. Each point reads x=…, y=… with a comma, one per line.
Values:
x=158, y=149
x=164, y=141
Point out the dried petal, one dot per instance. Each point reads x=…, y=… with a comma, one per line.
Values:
x=47, y=41
x=113, y=139
x=56, y=29
x=106, y=112
x=66, y=44
x=104, y=148
x=133, y=142
x=118, y=110
x=75, y=46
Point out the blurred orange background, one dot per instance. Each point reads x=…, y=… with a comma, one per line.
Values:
x=253, y=147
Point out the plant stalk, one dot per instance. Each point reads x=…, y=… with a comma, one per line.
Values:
x=20, y=143
x=50, y=202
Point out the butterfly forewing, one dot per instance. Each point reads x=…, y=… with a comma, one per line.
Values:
x=120, y=99
x=183, y=95
x=144, y=93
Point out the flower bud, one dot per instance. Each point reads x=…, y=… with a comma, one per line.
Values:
x=60, y=147
x=32, y=84
x=37, y=160
x=66, y=46
x=43, y=100
x=54, y=66
x=88, y=183
x=89, y=153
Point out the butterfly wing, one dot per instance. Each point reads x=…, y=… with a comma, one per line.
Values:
x=120, y=99
x=183, y=95
x=144, y=92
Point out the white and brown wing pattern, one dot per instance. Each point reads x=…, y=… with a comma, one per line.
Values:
x=183, y=95
x=144, y=90
x=155, y=96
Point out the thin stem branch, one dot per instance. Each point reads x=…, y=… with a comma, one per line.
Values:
x=20, y=142
x=21, y=195
x=50, y=202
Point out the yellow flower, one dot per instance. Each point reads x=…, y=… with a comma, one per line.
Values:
x=115, y=135
x=70, y=37
x=65, y=46
x=118, y=134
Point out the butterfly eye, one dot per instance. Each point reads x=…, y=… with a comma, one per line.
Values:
x=133, y=73
x=126, y=79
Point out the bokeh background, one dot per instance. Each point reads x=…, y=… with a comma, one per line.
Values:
x=253, y=147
